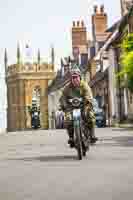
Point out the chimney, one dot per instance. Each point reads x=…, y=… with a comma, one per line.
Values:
x=99, y=22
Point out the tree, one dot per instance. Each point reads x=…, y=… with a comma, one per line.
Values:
x=126, y=61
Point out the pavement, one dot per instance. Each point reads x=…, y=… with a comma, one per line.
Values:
x=39, y=165
x=126, y=126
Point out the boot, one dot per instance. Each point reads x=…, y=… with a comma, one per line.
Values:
x=93, y=138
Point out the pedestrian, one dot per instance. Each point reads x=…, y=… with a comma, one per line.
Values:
x=59, y=118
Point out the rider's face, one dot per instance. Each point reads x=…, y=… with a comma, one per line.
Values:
x=76, y=81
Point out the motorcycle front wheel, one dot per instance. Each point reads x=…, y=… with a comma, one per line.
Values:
x=78, y=141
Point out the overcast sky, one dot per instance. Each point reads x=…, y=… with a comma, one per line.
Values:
x=42, y=23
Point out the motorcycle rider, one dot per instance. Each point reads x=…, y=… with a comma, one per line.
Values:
x=35, y=119
x=59, y=118
x=78, y=88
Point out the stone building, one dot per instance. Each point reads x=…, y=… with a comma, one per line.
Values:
x=27, y=82
x=101, y=68
x=3, y=100
x=125, y=5
x=82, y=50
x=120, y=102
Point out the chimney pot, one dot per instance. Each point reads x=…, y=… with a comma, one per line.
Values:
x=82, y=23
x=102, y=9
x=78, y=23
x=95, y=9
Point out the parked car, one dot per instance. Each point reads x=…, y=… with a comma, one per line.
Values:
x=100, y=119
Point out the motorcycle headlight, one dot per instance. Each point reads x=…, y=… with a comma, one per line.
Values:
x=75, y=102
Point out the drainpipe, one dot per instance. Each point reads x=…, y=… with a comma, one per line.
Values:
x=108, y=99
x=119, y=87
x=108, y=93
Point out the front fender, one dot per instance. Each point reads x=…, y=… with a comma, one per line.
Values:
x=76, y=117
x=76, y=114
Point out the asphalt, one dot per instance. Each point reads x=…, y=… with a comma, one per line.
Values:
x=39, y=165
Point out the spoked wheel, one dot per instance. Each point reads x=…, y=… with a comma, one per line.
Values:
x=85, y=146
x=78, y=142
x=85, y=141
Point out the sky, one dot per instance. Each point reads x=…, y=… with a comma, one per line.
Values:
x=42, y=24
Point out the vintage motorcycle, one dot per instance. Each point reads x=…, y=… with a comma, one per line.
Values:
x=35, y=120
x=81, y=139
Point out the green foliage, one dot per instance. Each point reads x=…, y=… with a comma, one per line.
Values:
x=126, y=61
x=130, y=84
x=127, y=44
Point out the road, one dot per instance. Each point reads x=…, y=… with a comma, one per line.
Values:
x=39, y=165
